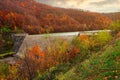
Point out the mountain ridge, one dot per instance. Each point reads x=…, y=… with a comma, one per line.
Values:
x=34, y=17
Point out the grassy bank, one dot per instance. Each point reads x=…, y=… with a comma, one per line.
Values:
x=104, y=65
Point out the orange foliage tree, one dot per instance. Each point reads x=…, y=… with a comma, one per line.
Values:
x=35, y=60
x=85, y=42
x=83, y=37
x=36, y=52
x=27, y=67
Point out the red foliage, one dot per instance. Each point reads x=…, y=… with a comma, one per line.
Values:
x=36, y=51
x=41, y=59
x=34, y=17
x=36, y=60
x=113, y=16
x=118, y=35
x=83, y=37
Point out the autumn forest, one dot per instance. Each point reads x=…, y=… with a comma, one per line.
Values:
x=33, y=17
x=39, y=41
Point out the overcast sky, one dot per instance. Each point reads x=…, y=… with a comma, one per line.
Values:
x=91, y=5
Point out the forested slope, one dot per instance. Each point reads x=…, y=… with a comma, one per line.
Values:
x=33, y=17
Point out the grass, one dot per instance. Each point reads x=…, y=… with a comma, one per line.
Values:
x=10, y=53
x=6, y=51
x=71, y=70
x=104, y=65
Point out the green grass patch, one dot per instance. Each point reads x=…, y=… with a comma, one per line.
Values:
x=6, y=54
x=100, y=66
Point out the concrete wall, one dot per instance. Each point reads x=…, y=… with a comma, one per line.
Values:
x=18, y=40
x=43, y=41
x=24, y=42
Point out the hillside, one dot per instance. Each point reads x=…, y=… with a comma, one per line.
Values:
x=104, y=65
x=113, y=16
x=34, y=17
x=90, y=20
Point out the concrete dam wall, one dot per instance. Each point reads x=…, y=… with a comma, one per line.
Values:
x=24, y=42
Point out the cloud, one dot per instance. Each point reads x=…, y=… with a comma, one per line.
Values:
x=92, y=5
x=105, y=2
x=106, y=5
x=63, y=2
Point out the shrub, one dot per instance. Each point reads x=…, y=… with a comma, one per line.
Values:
x=118, y=35
x=82, y=43
x=58, y=50
x=85, y=43
x=115, y=26
x=37, y=61
x=33, y=61
x=4, y=70
x=102, y=38
x=82, y=46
